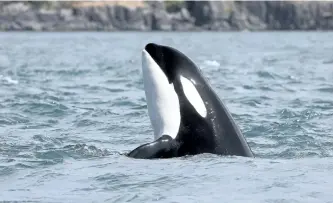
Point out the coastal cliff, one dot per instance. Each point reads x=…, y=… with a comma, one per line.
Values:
x=166, y=15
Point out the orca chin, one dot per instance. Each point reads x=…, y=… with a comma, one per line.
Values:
x=186, y=114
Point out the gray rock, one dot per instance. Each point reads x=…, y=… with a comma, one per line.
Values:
x=201, y=12
x=4, y=24
x=221, y=10
x=6, y=18
x=325, y=15
x=80, y=24
x=30, y=25
x=65, y=14
x=208, y=12
x=188, y=15
x=127, y=18
x=157, y=17
x=26, y=16
x=176, y=26
x=255, y=23
x=220, y=26
x=256, y=8
x=305, y=16
x=156, y=5
x=14, y=8
x=9, y=26
x=148, y=19
x=99, y=15
x=49, y=16
x=137, y=19
x=74, y=24
x=161, y=21
x=243, y=19
x=238, y=20
x=118, y=16
x=91, y=14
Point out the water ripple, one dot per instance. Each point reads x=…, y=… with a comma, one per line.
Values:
x=72, y=105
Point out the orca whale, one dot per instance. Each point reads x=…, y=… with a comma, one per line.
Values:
x=187, y=116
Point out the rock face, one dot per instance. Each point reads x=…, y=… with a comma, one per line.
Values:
x=182, y=16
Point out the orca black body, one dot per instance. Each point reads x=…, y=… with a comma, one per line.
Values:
x=187, y=116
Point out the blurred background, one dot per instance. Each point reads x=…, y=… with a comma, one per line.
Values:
x=166, y=15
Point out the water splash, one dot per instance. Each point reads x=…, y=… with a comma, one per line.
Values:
x=8, y=80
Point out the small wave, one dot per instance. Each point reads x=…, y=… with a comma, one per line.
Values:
x=248, y=87
x=125, y=101
x=265, y=74
x=116, y=81
x=13, y=119
x=287, y=114
x=251, y=102
x=328, y=61
x=6, y=170
x=86, y=122
x=265, y=88
x=77, y=151
x=325, y=89
x=11, y=169
x=269, y=60
x=321, y=105
x=298, y=152
x=73, y=72
x=47, y=141
x=309, y=114
x=8, y=79
x=43, y=154
x=43, y=108
x=85, y=151
x=212, y=63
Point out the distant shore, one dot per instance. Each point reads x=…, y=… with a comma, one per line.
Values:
x=166, y=16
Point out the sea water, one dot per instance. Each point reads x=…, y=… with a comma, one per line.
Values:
x=72, y=104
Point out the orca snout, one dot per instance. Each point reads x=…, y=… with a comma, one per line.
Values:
x=151, y=47
x=155, y=51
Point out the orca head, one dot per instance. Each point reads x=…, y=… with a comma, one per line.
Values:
x=170, y=78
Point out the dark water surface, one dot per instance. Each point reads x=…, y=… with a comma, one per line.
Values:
x=72, y=103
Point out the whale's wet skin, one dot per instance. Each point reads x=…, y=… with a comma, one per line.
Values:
x=187, y=116
x=73, y=104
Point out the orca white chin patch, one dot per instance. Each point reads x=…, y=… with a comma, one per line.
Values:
x=193, y=96
x=162, y=100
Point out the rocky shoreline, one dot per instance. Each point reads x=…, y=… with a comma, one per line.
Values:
x=178, y=16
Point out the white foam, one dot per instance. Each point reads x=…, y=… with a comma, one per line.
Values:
x=8, y=79
x=212, y=63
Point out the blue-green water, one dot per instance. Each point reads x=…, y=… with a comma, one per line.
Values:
x=72, y=103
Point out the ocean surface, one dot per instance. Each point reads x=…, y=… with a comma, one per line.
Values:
x=72, y=104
